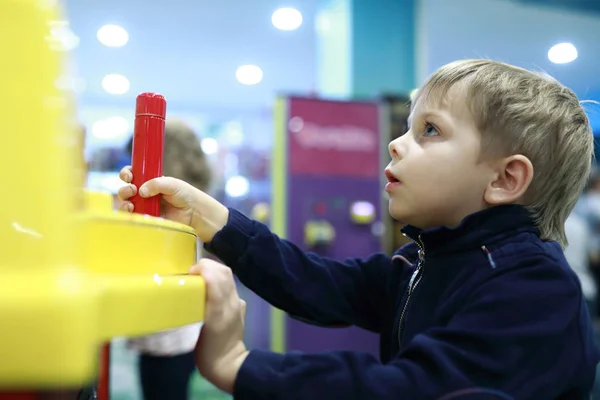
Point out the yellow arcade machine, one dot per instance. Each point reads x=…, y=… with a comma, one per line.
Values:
x=73, y=273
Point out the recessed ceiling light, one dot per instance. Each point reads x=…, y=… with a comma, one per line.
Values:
x=237, y=186
x=286, y=19
x=562, y=53
x=112, y=36
x=111, y=128
x=62, y=38
x=210, y=145
x=70, y=83
x=249, y=74
x=115, y=84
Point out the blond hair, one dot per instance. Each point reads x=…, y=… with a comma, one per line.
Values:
x=183, y=156
x=523, y=112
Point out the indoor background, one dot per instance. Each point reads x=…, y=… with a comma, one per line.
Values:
x=221, y=63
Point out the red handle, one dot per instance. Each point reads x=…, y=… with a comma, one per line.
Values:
x=146, y=163
x=148, y=147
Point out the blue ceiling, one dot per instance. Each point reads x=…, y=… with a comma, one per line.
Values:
x=585, y=6
x=189, y=49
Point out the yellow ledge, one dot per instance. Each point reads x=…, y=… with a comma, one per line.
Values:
x=52, y=325
x=67, y=286
x=132, y=281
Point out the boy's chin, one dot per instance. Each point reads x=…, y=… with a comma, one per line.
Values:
x=399, y=213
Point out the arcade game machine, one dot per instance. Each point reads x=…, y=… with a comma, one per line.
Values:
x=327, y=185
x=73, y=273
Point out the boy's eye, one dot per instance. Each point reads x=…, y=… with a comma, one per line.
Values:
x=430, y=130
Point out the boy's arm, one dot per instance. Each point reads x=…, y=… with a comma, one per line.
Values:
x=303, y=284
x=509, y=341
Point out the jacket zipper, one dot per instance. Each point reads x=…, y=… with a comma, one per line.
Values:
x=414, y=281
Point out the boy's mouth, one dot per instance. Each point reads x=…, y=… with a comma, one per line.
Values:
x=391, y=178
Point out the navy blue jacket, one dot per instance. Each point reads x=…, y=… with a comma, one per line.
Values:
x=486, y=310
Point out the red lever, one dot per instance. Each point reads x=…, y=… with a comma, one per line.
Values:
x=148, y=148
x=146, y=164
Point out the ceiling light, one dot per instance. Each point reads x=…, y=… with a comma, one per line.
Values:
x=233, y=133
x=249, y=74
x=237, y=186
x=115, y=84
x=322, y=23
x=562, y=53
x=210, y=146
x=62, y=37
x=111, y=128
x=112, y=36
x=286, y=19
x=70, y=83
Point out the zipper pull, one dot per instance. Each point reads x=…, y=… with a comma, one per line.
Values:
x=413, y=279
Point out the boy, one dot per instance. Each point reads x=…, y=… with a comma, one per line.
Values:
x=481, y=305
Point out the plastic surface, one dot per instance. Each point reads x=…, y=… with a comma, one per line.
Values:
x=145, y=288
x=48, y=319
x=41, y=139
x=70, y=278
x=148, y=148
x=123, y=244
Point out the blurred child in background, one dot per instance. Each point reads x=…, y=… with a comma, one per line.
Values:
x=166, y=360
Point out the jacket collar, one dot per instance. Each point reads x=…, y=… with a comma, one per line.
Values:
x=475, y=230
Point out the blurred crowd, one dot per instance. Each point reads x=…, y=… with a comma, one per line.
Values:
x=583, y=251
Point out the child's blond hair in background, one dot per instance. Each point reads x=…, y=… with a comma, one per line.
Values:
x=183, y=159
x=523, y=112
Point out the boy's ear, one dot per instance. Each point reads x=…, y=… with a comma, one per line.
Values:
x=512, y=179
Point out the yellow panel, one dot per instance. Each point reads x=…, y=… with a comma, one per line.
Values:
x=131, y=281
x=96, y=201
x=126, y=244
x=279, y=180
x=38, y=141
x=140, y=264
x=48, y=309
x=132, y=306
x=49, y=329
x=70, y=279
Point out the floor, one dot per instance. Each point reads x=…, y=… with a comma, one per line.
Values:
x=124, y=380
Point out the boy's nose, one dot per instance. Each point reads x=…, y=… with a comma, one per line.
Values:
x=394, y=149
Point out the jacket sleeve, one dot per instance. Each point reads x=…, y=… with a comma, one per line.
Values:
x=303, y=284
x=510, y=341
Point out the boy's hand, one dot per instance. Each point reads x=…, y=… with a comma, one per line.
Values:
x=220, y=350
x=181, y=202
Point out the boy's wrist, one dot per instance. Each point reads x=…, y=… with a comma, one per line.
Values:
x=228, y=372
x=207, y=221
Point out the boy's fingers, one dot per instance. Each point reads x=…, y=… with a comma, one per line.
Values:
x=243, y=308
x=211, y=278
x=127, y=207
x=126, y=192
x=218, y=278
x=196, y=270
x=163, y=185
x=125, y=174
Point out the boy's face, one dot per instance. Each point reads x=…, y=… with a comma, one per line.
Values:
x=436, y=175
